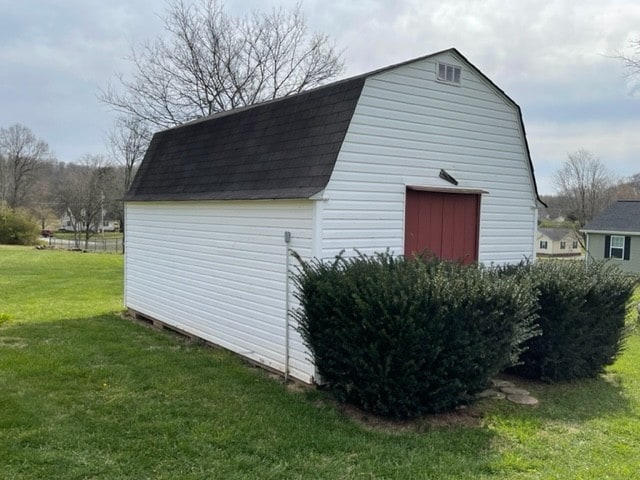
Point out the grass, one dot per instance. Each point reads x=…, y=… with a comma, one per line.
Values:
x=634, y=314
x=85, y=393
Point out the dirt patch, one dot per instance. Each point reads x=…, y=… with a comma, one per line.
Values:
x=294, y=386
x=463, y=416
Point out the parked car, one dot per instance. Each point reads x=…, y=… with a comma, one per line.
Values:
x=46, y=233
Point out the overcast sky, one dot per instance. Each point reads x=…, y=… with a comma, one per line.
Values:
x=554, y=58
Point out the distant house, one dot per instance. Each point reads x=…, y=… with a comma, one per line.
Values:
x=615, y=235
x=109, y=225
x=425, y=155
x=558, y=242
x=553, y=212
x=67, y=224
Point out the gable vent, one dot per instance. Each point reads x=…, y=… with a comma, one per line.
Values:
x=448, y=73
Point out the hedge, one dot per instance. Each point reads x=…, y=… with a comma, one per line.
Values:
x=401, y=337
x=17, y=228
x=581, y=312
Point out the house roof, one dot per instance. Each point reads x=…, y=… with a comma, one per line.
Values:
x=555, y=234
x=621, y=216
x=283, y=148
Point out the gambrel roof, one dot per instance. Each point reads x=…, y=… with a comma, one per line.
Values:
x=621, y=217
x=281, y=149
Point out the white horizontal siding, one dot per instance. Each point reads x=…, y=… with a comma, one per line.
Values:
x=406, y=127
x=217, y=270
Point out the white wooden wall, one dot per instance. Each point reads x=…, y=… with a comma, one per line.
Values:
x=406, y=127
x=217, y=270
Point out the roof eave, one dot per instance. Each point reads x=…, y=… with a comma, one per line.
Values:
x=610, y=232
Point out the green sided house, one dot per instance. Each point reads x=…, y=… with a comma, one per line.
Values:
x=615, y=235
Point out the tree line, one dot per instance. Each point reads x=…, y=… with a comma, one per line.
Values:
x=35, y=183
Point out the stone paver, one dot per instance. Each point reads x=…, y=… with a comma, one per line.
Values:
x=514, y=391
x=522, y=399
x=491, y=393
x=501, y=389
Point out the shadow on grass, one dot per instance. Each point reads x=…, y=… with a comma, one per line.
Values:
x=86, y=393
x=577, y=401
x=93, y=337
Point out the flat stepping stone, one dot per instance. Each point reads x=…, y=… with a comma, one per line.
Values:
x=502, y=383
x=491, y=393
x=514, y=391
x=522, y=399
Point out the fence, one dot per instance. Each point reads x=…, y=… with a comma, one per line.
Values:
x=95, y=244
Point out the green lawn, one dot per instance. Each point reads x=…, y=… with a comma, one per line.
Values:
x=85, y=393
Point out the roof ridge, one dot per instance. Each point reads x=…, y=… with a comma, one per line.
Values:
x=265, y=103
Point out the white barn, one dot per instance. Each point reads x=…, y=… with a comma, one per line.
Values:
x=427, y=154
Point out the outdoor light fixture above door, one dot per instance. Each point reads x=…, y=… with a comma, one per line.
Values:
x=445, y=176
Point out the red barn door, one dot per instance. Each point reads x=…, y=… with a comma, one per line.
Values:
x=445, y=224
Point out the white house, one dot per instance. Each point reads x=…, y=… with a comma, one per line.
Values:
x=426, y=154
x=558, y=242
x=68, y=224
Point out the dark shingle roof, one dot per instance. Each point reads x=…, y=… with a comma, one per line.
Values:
x=284, y=148
x=555, y=234
x=622, y=216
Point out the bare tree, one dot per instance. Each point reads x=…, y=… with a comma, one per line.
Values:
x=631, y=60
x=84, y=192
x=629, y=188
x=586, y=184
x=634, y=182
x=42, y=199
x=3, y=180
x=211, y=62
x=128, y=142
x=23, y=154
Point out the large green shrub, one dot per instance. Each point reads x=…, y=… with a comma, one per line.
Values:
x=581, y=313
x=17, y=228
x=400, y=337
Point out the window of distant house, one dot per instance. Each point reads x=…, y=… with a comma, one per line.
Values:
x=448, y=73
x=563, y=245
x=543, y=244
x=105, y=223
x=574, y=244
x=617, y=246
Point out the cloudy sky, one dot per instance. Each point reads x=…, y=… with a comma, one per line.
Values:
x=553, y=57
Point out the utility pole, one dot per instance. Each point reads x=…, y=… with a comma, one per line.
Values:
x=102, y=214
